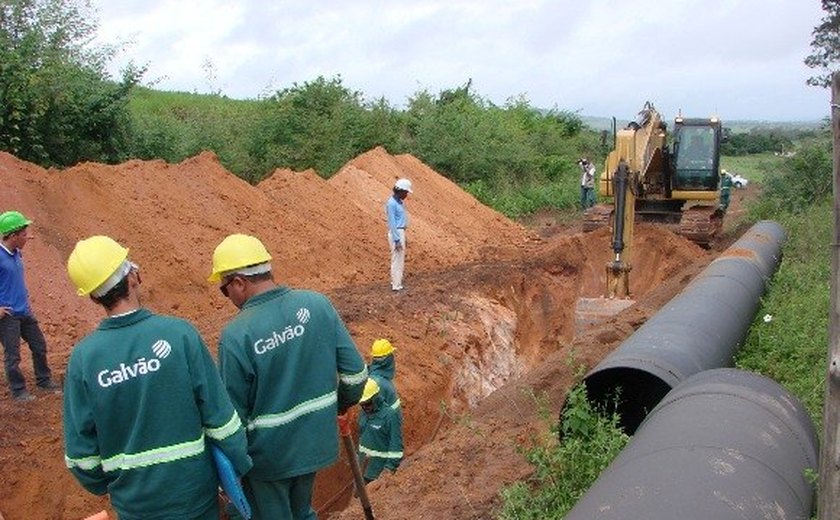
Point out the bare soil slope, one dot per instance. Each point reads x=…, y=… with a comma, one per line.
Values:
x=489, y=306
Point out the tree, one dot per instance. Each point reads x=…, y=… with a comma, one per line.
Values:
x=825, y=47
x=57, y=104
x=320, y=124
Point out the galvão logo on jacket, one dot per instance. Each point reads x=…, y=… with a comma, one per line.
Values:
x=161, y=349
x=277, y=338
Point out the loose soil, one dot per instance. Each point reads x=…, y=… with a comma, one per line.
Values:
x=486, y=321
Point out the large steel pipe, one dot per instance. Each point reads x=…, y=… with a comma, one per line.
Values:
x=725, y=444
x=699, y=329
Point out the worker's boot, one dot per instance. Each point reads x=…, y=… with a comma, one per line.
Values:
x=22, y=396
x=50, y=386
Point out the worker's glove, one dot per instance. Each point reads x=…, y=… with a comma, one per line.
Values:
x=344, y=424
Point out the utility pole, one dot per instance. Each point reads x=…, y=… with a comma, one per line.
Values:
x=828, y=501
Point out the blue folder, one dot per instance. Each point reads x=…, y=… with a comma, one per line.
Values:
x=230, y=482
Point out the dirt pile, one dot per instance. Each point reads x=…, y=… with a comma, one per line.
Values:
x=488, y=300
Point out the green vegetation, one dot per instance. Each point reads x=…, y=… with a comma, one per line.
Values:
x=321, y=124
x=791, y=346
x=754, y=167
x=825, y=51
x=778, y=140
x=174, y=126
x=514, y=158
x=57, y=106
x=564, y=470
x=758, y=141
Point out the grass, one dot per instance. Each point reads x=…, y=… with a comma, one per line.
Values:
x=753, y=167
x=792, y=346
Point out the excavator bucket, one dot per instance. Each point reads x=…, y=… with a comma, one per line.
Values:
x=589, y=311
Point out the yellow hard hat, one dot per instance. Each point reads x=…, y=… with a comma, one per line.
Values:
x=235, y=252
x=371, y=389
x=93, y=261
x=381, y=347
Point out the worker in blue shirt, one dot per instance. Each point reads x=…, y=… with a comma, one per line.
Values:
x=16, y=318
x=397, y=222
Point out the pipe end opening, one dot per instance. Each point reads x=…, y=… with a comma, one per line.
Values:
x=630, y=392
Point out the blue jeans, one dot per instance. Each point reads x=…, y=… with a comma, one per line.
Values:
x=12, y=329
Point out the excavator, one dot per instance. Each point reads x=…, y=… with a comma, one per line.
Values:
x=652, y=178
x=676, y=184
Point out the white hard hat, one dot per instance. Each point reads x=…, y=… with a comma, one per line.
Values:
x=403, y=184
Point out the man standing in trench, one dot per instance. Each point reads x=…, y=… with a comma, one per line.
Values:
x=397, y=222
x=16, y=319
x=142, y=399
x=380, y=433
x=290, y=367
x=382, y=370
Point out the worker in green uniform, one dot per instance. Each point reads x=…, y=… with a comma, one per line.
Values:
x=142, y=400
x=382, y=369
x=290, y=367
x=725, y=189
x=380, y=434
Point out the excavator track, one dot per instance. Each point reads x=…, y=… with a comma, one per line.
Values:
x=701, y=224
x=598, y=216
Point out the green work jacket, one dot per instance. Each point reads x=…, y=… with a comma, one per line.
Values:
x=142, y=397
x=290, y=365
x=380, y=439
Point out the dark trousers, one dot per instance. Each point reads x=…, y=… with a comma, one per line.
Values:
x=286, y=499
x=587, y=197
x=12, y=329
x=724, y=198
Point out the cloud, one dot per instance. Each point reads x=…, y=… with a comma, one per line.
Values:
x=740, y=58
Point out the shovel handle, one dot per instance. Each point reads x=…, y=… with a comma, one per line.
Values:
x=347, y=440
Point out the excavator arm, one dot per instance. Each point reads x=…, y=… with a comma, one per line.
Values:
x=633, y=169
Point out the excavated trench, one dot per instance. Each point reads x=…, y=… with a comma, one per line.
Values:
x=489, y=324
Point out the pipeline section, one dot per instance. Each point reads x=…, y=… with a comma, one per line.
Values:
x=724, y=444
x=699, y=329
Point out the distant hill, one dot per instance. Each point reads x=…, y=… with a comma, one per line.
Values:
x=605, y=123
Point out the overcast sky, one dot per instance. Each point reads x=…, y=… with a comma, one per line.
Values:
x=739, y=59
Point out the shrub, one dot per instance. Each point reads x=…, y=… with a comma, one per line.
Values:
x=802, y=180
x=57, y=103
x=565, y=469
